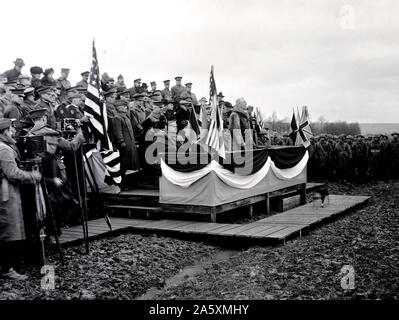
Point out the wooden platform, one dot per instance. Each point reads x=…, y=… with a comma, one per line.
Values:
x=272, y=229
x=142, y=203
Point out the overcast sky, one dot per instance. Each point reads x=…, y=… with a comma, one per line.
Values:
x=341, y=61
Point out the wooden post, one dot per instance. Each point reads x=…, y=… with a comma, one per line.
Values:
x=251, y=211
x=280, y=203
x=213, y=214
x=268, y=204
x=303, y=194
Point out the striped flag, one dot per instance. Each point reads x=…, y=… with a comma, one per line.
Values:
x=214, y=137
x=96, y=109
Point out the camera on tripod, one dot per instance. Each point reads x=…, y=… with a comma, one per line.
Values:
x=69, y=125
x=31, y=147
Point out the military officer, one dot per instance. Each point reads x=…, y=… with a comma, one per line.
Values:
x=136, y=88
x=192, y=96
x=178, y=90
x=153, y=85
x=84, y=82
x=47, y=101
x=63, y=82
x=166, y=93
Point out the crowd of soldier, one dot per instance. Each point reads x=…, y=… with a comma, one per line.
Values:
x=354, y=158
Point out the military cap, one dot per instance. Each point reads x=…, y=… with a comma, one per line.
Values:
x=74, y=94
x=48, y=71
x=44, y=89
x=138, y=96
x=36, y=70
x=178, y=78
x=18, y=91
x=5, y=123
x=29, y=90
x=111, y=79
x=23, y=77
x=119, y=103
x=64, y=70
x=37, y=113
x=110, y=91
x=71, y=89
x=11, y=83
x=137, y=80
x=349, y=137
x=166, y=81
x=19, y=62
x=394, y=134
x=26, y=123
x=144, y=85
x=220, y=95
x=124, y=92
x=153, y=83
x=84, y=73
x=81, y=89
x=228, y=104
x=188, y=84
x=184, y=102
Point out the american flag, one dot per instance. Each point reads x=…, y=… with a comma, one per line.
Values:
x=96, y=108
x=214, y=137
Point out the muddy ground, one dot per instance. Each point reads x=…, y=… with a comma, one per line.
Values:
x=135, y=266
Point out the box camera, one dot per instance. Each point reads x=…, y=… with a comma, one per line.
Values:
x=69, y=124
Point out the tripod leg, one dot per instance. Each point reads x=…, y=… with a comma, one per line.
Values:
x=83, y=217
x=52, y=220
x=85, y=200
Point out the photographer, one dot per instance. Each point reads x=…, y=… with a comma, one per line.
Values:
x=40, y=128
x=12, y=229
x=59, y=190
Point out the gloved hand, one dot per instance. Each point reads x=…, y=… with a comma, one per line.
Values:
x=36, y=176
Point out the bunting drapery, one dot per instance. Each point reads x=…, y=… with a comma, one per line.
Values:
x=239, y=181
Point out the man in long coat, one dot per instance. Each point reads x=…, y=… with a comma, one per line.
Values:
x=239, y=126
x=12, y=228
x=124, y=137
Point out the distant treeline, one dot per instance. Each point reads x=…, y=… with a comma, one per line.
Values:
x=336, y=128
x=322, y=126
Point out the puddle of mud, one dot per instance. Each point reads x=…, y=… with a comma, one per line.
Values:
x=187, y=273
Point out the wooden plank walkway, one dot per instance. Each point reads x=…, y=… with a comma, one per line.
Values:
x=275, y=228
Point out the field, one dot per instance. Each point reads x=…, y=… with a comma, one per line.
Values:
x=378, y=128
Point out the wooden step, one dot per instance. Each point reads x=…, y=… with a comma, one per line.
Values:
x=135, y=208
